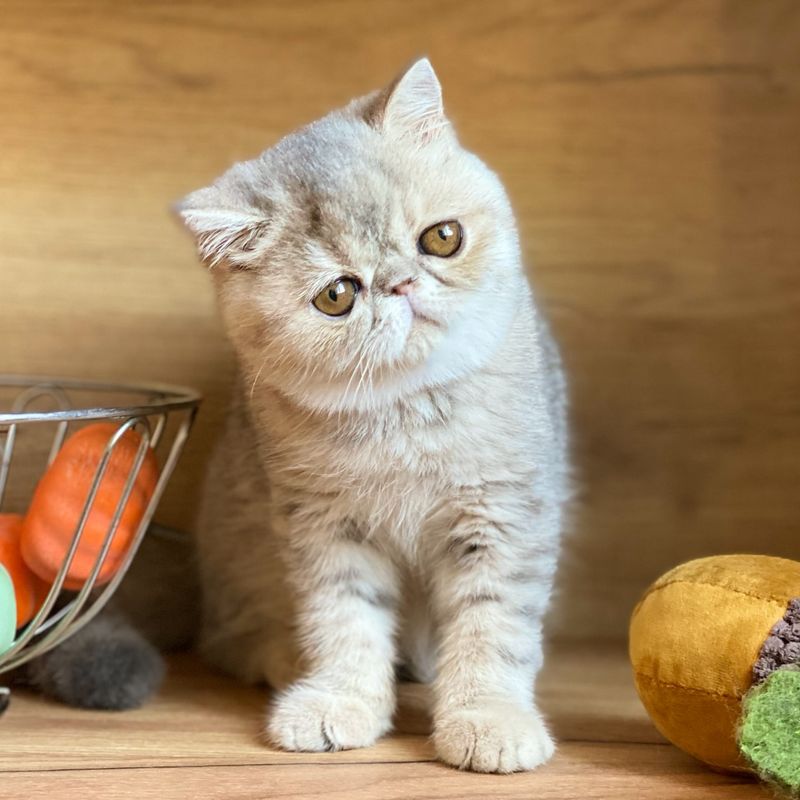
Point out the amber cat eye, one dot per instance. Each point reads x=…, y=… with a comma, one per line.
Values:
x=442, y=239
x=337, y=298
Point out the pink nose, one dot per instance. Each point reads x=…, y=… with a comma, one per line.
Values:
x=406, y=287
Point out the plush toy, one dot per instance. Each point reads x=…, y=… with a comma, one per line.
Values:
x=8, y=613
x=715, y=649
x=33, y=547
x=61, y=495
x=29, y=589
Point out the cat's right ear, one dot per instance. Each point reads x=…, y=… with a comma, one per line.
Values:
x=222, y=233
x=411, y=105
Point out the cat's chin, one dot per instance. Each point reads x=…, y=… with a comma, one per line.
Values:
x=358, y=396
x=426, y=362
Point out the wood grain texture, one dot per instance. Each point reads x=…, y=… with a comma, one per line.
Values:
x=651, y=151
x=201, y=718
x=648, y=781
x=200, y=738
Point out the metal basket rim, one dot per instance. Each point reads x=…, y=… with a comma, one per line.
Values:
x=172, y=398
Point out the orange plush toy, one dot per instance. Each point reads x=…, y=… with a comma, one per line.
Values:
x=29, y=590
x=61, y=495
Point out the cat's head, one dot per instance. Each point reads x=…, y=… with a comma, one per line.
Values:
x=363, y=256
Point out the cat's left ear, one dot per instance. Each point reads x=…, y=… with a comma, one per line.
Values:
x=412, y=104
x=223, y=232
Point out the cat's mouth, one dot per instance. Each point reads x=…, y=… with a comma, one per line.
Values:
x=418, y=312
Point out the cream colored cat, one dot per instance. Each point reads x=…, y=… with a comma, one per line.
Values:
x=389, y=487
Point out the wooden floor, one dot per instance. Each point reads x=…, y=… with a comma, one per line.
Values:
x=200, y=739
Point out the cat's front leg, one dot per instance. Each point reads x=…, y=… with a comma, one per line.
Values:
x=346, y=593
x=490, y=592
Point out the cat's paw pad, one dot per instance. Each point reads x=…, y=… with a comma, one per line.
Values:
x=492, y=738
x=309, y=719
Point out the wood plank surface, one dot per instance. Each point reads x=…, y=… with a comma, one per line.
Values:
x=201, y=738
x=201, y=718
x=579, y=777
x=650, y=149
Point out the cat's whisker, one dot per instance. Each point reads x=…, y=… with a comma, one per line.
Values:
x=258, y=375
x=362, y=352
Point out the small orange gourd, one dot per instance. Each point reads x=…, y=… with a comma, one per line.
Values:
x=61, y=494
x=29, y=590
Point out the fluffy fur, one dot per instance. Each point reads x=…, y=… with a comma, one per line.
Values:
x=107, y=665
x=389, y=487
x=112, y=663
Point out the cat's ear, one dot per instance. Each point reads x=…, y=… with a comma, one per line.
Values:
x=222, y=233
x=412, y=104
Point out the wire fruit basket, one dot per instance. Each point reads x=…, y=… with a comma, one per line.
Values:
x=37, y=415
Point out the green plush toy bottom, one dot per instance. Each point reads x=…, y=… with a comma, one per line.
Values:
x=770, y=732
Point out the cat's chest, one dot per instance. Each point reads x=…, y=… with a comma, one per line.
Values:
x=427, y=437
x=408, y=454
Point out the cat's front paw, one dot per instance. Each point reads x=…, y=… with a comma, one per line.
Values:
x=496, y=737
x=311, y=719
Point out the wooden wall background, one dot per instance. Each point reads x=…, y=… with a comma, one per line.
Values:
x=652, y=150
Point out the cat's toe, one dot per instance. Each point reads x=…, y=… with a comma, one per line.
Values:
x=309, y=719
x=493, y=738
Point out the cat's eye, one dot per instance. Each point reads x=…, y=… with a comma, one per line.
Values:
x=442, y=239
x=337, y=298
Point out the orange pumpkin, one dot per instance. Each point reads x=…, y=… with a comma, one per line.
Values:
x=61, y=494
x=29, y=590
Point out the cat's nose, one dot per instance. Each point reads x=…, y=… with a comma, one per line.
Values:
x=404, y=287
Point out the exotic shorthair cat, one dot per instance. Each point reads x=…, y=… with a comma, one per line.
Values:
x=389, y=489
